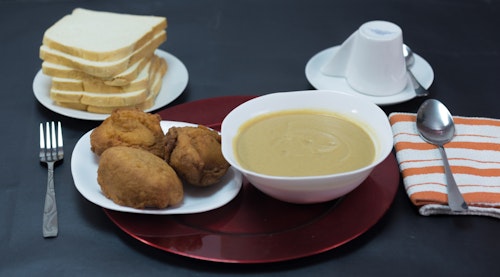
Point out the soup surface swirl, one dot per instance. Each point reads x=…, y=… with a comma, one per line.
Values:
x=303, y=143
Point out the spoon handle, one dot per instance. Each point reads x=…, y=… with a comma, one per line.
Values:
x=420, y=91
x=455, y=198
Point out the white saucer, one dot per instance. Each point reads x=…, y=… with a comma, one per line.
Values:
x=421, y=69
x=84, y=165
x=174, y=83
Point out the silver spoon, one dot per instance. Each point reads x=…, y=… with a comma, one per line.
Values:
x=435, y=125
x=410, y=60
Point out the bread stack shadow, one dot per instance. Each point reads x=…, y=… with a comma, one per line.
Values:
x=101, y=61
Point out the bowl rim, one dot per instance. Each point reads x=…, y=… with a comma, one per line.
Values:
x=384, y=151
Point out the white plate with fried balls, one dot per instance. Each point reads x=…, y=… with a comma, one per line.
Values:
x=84, y=165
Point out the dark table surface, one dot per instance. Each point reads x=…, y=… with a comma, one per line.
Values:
x=244, y=48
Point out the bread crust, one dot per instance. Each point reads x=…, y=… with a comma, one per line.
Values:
x=93, y=84
x=122, y=79
x=111, y=98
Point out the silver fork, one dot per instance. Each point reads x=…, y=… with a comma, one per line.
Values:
x=51, y=151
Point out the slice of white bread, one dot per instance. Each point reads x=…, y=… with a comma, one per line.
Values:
x=92, y=84
x=148, y=103
x=99, y=99
x=107, y=102
x=122, y=79
x=102, y=36
x=102, y=69
x=150, y=100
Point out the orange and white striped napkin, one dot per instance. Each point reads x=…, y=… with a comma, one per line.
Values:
x=474, y=157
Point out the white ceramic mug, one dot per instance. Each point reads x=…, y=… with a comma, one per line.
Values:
x=372, y=59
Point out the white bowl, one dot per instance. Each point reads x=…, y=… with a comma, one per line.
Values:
x=310, y=189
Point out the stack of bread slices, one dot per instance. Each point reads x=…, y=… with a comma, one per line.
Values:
x=100, y=61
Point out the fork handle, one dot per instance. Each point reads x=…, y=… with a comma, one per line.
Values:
x=50, y=209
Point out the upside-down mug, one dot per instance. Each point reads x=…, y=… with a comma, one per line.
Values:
x=371, y=60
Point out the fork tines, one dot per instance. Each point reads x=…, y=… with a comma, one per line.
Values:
x=51, y=145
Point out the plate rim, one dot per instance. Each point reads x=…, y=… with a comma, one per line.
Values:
x=187, y=231
x=180, y=75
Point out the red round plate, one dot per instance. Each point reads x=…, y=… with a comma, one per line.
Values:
x=255, y=228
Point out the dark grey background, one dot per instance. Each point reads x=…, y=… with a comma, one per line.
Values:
x=244, y=48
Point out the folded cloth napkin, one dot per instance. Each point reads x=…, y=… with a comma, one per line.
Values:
x=474, y=157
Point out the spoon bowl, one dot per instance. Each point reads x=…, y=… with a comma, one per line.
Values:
x=435, y=125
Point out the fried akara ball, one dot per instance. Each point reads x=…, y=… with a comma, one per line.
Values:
x=195, y=154
x=136, y=178
x=129, y=127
